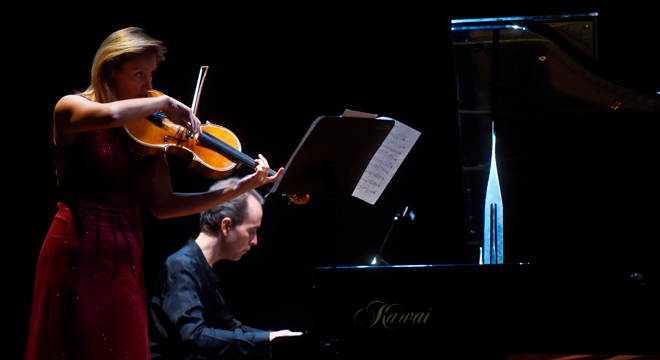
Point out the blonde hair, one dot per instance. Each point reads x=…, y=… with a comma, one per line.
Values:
x=114, y=52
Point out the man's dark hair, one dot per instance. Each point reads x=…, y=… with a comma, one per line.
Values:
x=236, y=209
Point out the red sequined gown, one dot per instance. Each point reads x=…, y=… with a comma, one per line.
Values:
x=89, y=297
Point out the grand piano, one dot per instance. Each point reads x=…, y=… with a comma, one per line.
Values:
x=574, y=154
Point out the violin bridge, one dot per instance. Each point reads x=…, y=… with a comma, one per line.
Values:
x=182, y=135
x=178, y=140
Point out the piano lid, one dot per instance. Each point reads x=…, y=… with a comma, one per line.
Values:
x=540, y=64
x=572, y=143
x=579, y=30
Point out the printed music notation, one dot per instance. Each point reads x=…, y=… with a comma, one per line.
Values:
x=386, y=161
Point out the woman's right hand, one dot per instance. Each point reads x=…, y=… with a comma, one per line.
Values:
x=181, y=114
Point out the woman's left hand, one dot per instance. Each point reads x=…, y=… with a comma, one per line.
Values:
x=260, y=176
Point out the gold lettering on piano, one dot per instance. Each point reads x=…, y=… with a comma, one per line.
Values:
x=390, y=316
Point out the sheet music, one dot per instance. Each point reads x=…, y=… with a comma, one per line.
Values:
x=386, y=161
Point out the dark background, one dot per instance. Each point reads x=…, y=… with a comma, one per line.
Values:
x=272, y=72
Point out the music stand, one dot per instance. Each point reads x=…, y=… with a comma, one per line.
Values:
x=333, y=155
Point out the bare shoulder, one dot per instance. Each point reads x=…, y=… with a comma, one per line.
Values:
x=69, y=102
x=62, y=115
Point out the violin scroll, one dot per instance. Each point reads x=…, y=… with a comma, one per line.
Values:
x=298, y=199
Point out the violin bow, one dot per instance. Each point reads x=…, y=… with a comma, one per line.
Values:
x=198, y=89
x=298, y=199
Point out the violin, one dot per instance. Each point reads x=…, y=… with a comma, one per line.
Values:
x=215, y=152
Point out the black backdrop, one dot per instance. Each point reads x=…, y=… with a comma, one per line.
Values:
x=272, y=72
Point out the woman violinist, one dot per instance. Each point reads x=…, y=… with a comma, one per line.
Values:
x=89, y=296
